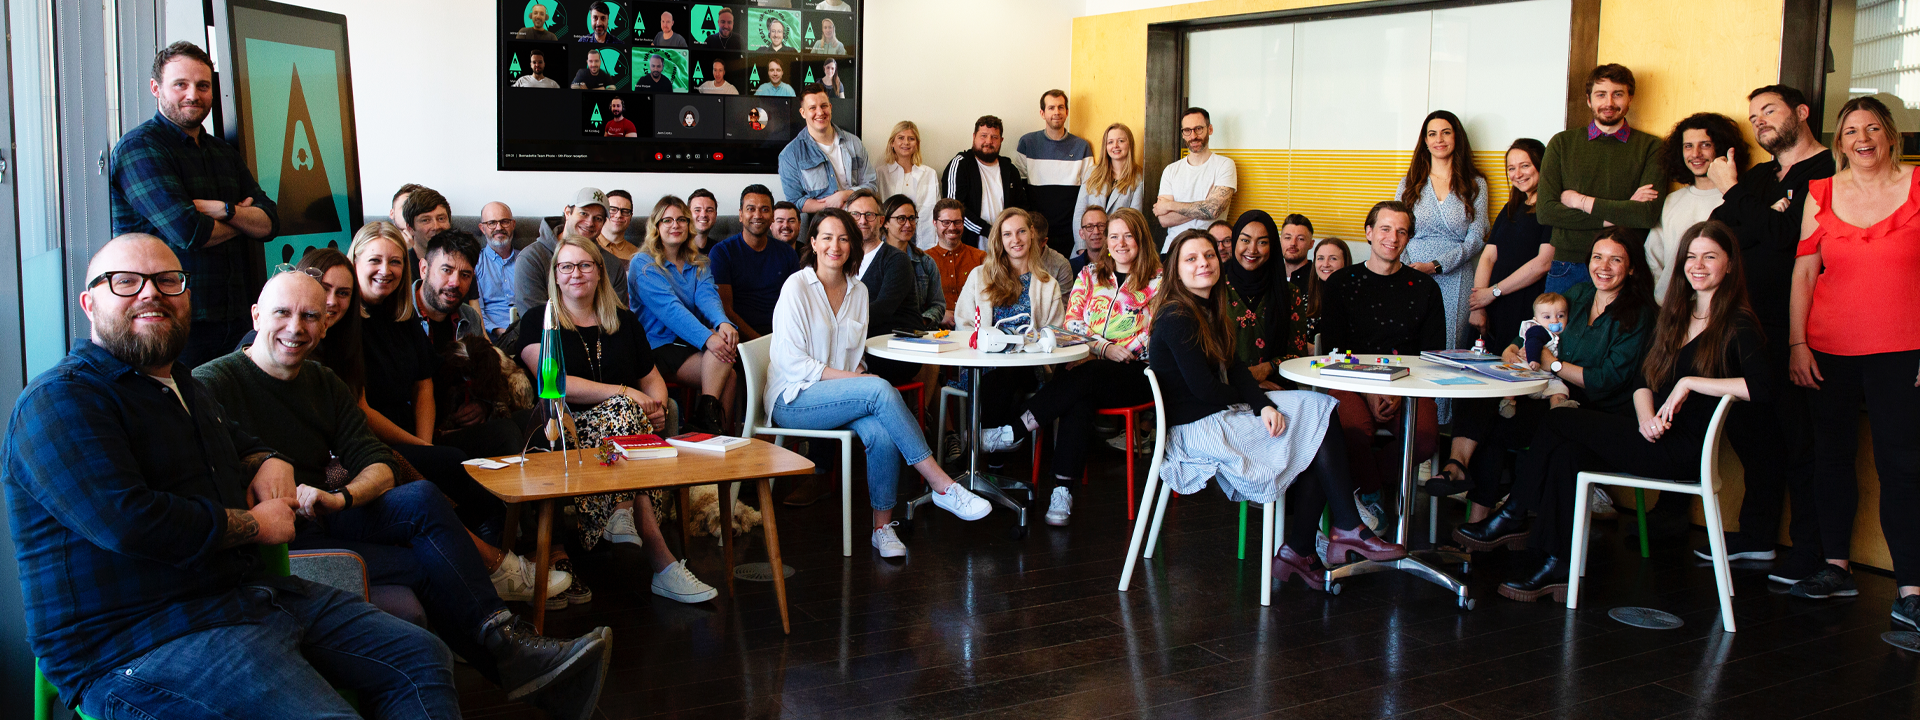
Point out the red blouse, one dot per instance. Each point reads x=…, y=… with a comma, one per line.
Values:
x=1867, y=299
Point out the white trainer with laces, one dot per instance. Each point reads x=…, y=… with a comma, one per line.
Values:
x=678, y=583
x=999, y=439
x=620, y=528
x=513, y=580
x=1060, y=507
x=888, y=542
x=962, y=502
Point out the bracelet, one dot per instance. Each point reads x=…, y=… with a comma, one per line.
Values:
x=1797, y=344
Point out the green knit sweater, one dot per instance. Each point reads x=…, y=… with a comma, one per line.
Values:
x=310, y=419
x=1609, y=171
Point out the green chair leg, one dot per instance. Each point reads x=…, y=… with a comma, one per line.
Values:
x=1640, y=508
x=1243, y=531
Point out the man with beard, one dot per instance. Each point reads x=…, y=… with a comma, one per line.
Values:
x=592, y=77
x=538, y=30
x=786, y=225
x=617, y=123
x=172, y=180
x=1195, y=191
x=724, y=39
x=1763, y=206
x=126, y=478
x=1602, y=175
x=1296, y=249
x=705, y=209
x=750, y=267
x=981, y=182
x=599, y=17
x=493, y=276
x=536, y=76
x=656, y=79
x=823, y=166
x=585, y=218
x=446, y=278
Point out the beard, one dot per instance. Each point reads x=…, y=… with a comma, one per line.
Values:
x=143, y=350
x=1784, y=137
x=184, y=115
x=438, y=302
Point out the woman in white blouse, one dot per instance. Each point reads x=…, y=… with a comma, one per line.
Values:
x=1115, y=179
x=902, y=173
x=816, y=379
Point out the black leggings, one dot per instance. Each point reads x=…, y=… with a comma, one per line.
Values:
x=1574, y=439
x=1072, y=396
x=1775, y=443
x=1479, y=420
x=1885, y=383
x=1324, y=484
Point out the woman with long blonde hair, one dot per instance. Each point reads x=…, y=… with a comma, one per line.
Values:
x=1115, y=178
x=680, y=308
x=903, y=172
x=1008, y=284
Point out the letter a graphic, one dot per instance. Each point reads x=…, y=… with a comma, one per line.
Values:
x=306, y=201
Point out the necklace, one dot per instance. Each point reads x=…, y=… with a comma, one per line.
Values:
x=593, y=354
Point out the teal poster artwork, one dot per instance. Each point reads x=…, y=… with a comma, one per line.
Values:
x=299, y=147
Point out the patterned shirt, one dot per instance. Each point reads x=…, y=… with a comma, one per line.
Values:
x=158, y=171
x=117, y=497
x=1022, y=306
x=1122, y=317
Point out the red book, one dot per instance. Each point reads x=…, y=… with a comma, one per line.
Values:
x=641, y=447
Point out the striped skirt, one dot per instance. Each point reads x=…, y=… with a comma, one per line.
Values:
x=1233, y=445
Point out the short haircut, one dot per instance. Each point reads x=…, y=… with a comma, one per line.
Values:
x=859, y=194
x=1202, y=112
x=600, y=7
x=537, y=52
x=420, y=202
x=784, y=205
x=946, y=204
x=1056, y=92
x=1298, y=219
x=1788, y=94
x=1224, y=224
x=1395, y=206
x=622, y=194
x=181, y=49
x=989, y=121
x=1550, y=298
x=725, y=11
x=1613, y=73
x=1038, y=224
x=1091, y=208
x=457, y=241
x=404, y=189
x=702, y=193
x=815, y=88
x=755, y=189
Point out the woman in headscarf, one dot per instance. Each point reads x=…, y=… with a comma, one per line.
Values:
x=1261, y=304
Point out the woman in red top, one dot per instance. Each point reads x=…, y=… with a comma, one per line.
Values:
x=1855, y=337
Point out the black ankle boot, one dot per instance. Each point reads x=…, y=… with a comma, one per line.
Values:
x=1507, y=526
x=536, y=668
x=1549, y=579
x=709, y=416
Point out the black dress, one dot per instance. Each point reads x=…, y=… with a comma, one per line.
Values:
x=618, y=358
x=397, y=356
x=1518, y=235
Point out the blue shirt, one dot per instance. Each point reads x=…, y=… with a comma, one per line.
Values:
x=807, y=174
x=755, y=277
x=117, y=497
x=677, y=301
x=494, y=279
x=157, y=172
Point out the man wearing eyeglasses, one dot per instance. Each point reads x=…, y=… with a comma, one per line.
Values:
x=955, y=259
x=1197, y=189
x=1093, y=237
x=170, y=179
x=494, y=274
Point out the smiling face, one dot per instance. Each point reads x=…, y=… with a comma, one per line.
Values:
x=430, y=223
x=1864, y=141
x=379, y=269
x=1697, y=150
x=905, y=143
x=447, y=277
x=1439, y=139
x=705, y=211
x=338, y=282
x=818, y=110
x=786, y=224
x=1252, y=247
x=949, y=224
x=903, y=224
x=1609, y=101
x=593, y=63
x=672, y=226
x=1053, y=112
x=586, y=220
x=666, y=24
x=1222, y=239
x=149, y=329
x=598, y=19
x=1327, y=261
x=986, y=141
x=1199, y=266
x=289, y=321
x=1117, y=146
x=832, y=242
x=1194, y=131
x=776, y=73
x=719, y=72
x=756, y=213
x=184, y=91
x=619, y=215
x=826, y=29
x=1094, y=228
x=1388, y=235
x=1609, y=266
x=866, y=215
x=1121, y=244
x=1015, y=237
x=1706, y=264
x=1521, y=172
x=617, y=107
x=539, y=17
x=776, y=33
x=578, y=275
x=726, y=23
x=1295, y=242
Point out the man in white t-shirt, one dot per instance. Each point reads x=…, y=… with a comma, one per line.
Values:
x=983, y=180
x=536, y=76
x=1198, y=189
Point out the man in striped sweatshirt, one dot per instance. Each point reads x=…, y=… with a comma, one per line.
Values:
x=1056, y=162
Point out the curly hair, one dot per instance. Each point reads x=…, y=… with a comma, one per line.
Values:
x=1721, y=131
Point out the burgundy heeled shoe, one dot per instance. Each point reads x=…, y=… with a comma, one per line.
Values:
x=1343, y=544
x=1289, y=563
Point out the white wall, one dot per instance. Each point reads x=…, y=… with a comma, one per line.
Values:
x=425, y=98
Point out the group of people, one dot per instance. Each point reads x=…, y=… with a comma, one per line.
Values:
x=332, y=407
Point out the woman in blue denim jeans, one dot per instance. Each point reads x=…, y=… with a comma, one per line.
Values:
x=816, y=379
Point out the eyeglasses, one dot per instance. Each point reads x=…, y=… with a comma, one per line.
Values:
x=503, y=222
x=675, y=220
x=904, y=219
x=864, y=216
x=949, y=223
x=1192, y=131
x=587, y=267
x=1093, y=227
x=127, y=283
x=619, y=212
x=289, y=267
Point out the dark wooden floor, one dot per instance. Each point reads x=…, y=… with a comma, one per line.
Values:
x=973, y=623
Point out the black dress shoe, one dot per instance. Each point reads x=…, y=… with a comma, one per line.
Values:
x=1549, y=579
x=1505, y=527
x=709, y=416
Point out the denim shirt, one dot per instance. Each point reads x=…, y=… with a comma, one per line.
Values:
x=806, y=174
x=494, y=279
x=676, y=302
x=928, y=298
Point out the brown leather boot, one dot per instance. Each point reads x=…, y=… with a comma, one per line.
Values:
x=809, y=491
x=1343, y=544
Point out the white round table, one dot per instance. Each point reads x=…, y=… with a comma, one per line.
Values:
x=1418, y=384
x=975, y=363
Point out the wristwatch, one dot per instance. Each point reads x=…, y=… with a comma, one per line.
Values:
x=1555, y=367
x=229, y=211
x=348, y=494
x=1496, y=291
x=1437, y=269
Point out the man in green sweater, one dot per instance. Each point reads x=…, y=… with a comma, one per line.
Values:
x=408, y=534
x=1602, y=175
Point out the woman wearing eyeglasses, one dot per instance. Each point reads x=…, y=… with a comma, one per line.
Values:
x=888, y=275
x=902, y=224
x=613, y=388
x=680, y=307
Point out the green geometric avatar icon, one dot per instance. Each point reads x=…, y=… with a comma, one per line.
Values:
x=613, y=18
x=595, y=120
x=639, y=24
x=809, y=75
x=609, y=61
x=706, y=22
x=699, y=76
x=754, y=79
x=809, y=38
x=513, y=68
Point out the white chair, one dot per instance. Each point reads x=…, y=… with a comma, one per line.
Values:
x=1707, y=489
x=1273, y=510
x=753, y=360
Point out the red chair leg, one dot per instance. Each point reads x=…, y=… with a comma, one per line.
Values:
x=1035, y=482
x=1131, y=501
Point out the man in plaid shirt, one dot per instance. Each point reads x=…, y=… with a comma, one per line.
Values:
x=172, y=180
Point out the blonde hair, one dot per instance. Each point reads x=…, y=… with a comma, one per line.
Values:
x=1881, y=115
x=998, y=283
x=1102, y=180
x=606, y=305
x=655, y=248
x=889, y=157
x=367, y=235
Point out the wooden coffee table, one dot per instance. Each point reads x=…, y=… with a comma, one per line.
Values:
x=549, y=477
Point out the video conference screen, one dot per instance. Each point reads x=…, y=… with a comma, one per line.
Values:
x=590, y=85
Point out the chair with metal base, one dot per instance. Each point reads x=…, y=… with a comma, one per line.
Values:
x=1706, y=487
x=753, y=361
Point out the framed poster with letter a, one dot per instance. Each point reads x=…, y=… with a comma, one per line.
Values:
x=288, y=105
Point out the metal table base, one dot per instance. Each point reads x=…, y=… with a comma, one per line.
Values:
x=992, y=487
x=1423, y=563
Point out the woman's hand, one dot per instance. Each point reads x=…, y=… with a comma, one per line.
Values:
x=1383, y=407
x=1652, y=428
x=656, y=411
x=1803, y=368
x=1675, y=399
x=1478, y=319
x=1116, y=353
x=1260, y=371
x=1425, y=267
x=1480, y=299
x=723, y=341
x=1276, y=423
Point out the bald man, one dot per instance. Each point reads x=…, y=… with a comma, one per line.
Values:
x=125, y=477
x=493, y=276
x=408, y=535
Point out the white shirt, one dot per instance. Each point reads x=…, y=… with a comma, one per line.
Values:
x=993, y=193
x=717, y=87
x=923, y=185
x=175, y=387
x=529, y=81
x=836, y=157
x=1682, y=209
x=809, y=337
x=1186, y=182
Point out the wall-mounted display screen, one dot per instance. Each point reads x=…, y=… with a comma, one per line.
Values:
x=668, y=86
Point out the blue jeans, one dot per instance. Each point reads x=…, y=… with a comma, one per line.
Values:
x=280, y=662
x=874, y=410
x=1564, y=275
x=410, y=536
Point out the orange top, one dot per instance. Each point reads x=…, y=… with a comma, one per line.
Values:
x=1869, y=288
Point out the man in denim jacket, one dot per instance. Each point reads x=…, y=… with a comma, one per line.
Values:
x=822, y=167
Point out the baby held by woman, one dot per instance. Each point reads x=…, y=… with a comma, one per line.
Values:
x=1543, y=333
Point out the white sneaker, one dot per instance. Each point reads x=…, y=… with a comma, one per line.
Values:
x=999, y=439
x=962, y=502
x=888, y=542
x=1060, y=507
x=620, y=528
x=513, y=580
x=1599, y=502
x=1369, y=513
x=677, y=583
x=1320, y=542
x=1508, y=407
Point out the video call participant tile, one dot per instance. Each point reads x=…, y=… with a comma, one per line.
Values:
x=598, y=67
x=535, y=65
x=826, y=33
x=602, y=22
x=717, y=28
x=614, y=115
x=773, y=31
x=688, y=117
x=843, y=6
x=660, y=70
x=835, y=73
x=759, y=118
x=541, y=20
x=718, y=73
x=662, y=25
x=773, y=75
